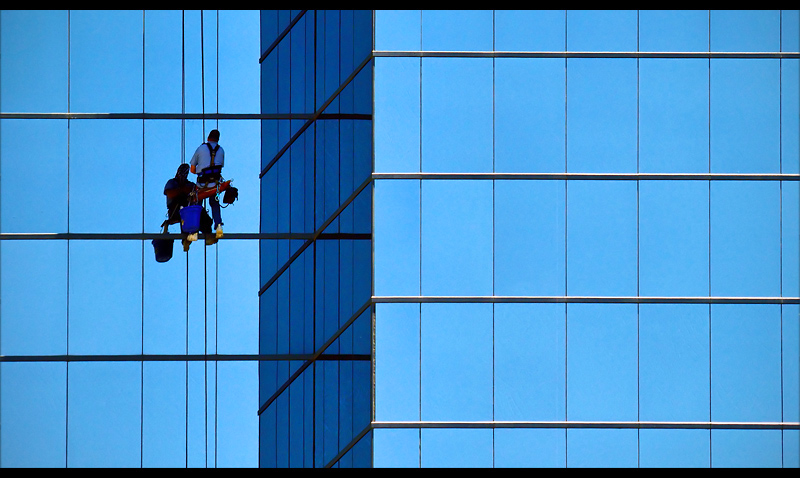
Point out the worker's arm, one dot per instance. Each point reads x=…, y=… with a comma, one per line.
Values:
x=193, y=169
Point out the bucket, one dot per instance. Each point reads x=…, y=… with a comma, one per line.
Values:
x=163, y=248
x=190, y=219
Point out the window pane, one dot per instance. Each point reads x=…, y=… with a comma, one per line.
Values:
x=397, y=362
x=396, y=237
x=33, y=413
x=104, y=415
x=162, y=61
x=602, y=448
x=674, y=448
x=673, y=362
x=746, y=448
x=397, y=30
x=453, y=448
x=601, y=362
x=529, y=448
x=601, y=115
x=529, y=30
x=601, y=238
x=397, y=114
x=33, y=297
x=745, y=116
x=673, y=115
x=745, y=30
x=745, y=362
x=529, y=238
x=529, y=122
x=745, y=238
x=457, y=114
x=456, y=223
x=456, y=355
x=460, y=30
x=164, y=414
x=790, y=116
x=33, y=61
x=673, y=238
x=396, y=448
x=237, y=432
x=673, y=30
x=529, y=347
x=602, y=30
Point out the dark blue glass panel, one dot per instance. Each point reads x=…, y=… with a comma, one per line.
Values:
x=529, y=362
x=34, y=414
x=529, y=107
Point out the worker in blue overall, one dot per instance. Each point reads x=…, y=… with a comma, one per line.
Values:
x=207, y=163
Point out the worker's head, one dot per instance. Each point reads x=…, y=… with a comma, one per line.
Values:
x=183, y=171
x=213, y=135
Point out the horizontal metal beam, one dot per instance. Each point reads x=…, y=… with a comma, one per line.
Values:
x=594, y=424
x=595, y=176
x=183, y=358
x=587, y=54
x=136, y=236
x=579, y=300
x=189, y=116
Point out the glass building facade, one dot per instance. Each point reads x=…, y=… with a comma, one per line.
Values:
x=463, y=239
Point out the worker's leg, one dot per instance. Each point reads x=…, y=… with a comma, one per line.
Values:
x=215, y=212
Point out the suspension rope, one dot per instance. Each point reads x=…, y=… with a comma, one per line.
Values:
x=183, y=161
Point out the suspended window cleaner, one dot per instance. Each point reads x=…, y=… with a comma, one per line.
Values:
x=185, y=198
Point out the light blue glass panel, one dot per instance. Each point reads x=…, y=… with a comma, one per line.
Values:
x=237, y=426
x=602, y=30
x=398, y=30
x=456, y=224
x=674, y=449
x=235, y=304
x=242, y=155
x=745, y=448
x=162, y=61
x=745, y=30
x=602, y=448
x=460, y=30
x=457, y=114
x=34, y=61
x=238, y=73
x=529, y=30
x=396, y=237
x=396, y=448
x=673, y=116
x=164, y=415
x=105, y=297
x=601, y=115
x=745, y=238
x=105, y=176
x=745, y=362
x=529, y=355
x=456, y=362
x=397, y=362
x=529, y=448
x=790, y=116
x=33, y=175
x=745, y=116
x=33, y=297
x=106, y=61
x=790, y=30
x=162, y=156
x=601, y=238
x=673, y=30
x=104, y=414
x=790, y=232
x=791, y=449
x=673, y=362
x=454, y=448
x=601, y=362
x=673, y=238
x=529, y=238
x=529, y=108
x=33, y=413
x=790, y=336
x=397, y=115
